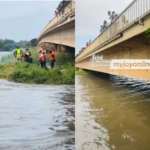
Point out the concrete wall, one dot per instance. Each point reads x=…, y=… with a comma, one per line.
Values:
x=132, y=45
x=62, y=37
x=135, y=48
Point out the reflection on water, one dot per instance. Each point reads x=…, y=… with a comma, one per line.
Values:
x=112, y=113
x=36, y=117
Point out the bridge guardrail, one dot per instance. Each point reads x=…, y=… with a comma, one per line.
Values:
x=58, y=19
x=134, y=11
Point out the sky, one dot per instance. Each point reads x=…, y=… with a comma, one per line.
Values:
x=90, y=14
x=24, y=20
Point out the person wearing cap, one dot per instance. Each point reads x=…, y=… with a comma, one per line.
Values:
x=18, y=54
x=28, y=56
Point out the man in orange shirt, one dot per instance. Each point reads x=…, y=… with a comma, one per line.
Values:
x=43, y=60
x=40, y=57
x=52, y=58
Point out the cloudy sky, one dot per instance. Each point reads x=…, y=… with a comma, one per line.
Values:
x=24, y=20
x=90, y=14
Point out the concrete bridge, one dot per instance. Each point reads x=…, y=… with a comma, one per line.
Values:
x=59, y=34
x=125, y=38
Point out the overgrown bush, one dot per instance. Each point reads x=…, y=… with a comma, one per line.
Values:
x=65, y=59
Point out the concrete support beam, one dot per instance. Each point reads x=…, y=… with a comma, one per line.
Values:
x=80, y=69
x=58, y=48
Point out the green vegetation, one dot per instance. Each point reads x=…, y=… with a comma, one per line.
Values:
x=148, y=33
x=77, y=72
x=9, y=45
x=27, y=73
x=65, y=60
x=31, y=73
x=33, y=42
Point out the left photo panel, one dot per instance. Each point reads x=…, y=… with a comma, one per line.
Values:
x=37, y=75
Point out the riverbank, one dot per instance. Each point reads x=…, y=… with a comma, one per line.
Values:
x=77, y=72
x=33, y=74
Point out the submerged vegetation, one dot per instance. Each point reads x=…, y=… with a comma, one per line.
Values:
x=31, y=73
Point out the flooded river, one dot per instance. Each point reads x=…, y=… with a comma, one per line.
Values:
x=36, y=117
x=112, y=113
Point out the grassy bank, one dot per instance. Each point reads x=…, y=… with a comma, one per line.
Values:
x=77, y=72
x=31, y=73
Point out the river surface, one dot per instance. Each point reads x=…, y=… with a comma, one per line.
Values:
x=112, y=113
x=4, y=54
x=36, y=117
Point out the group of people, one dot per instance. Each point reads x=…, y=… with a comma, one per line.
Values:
x=112, y=17
x=42, y=59
x=88, y=43
x=83, y=48
x=19, y=54
x=61, y=6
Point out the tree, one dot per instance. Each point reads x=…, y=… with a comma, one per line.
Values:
x=7, y=47
x=33, y=42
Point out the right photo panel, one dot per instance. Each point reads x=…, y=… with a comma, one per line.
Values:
x=112, y=75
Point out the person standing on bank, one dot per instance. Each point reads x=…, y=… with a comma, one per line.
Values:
x=43, y=60
x=18, y=54
x=54, y=54
x=40, y=57
x=28, y=57
x=52, y=59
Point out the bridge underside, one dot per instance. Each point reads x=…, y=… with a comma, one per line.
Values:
x=56, y=47
x=64, y=35
x=136, y=47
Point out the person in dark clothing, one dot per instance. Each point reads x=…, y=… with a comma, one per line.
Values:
x=28, y=57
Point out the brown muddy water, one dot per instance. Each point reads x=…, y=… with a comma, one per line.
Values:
x=36, y=117
x=112, y=113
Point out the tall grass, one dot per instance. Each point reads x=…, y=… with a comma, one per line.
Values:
x=65, y=59
x=27, y=73
x=32, y=73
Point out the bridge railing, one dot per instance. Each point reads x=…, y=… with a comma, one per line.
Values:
x=134, y=11
x=60, y=17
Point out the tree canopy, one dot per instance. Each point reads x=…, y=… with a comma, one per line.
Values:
x=8, y=45
x=33, y=42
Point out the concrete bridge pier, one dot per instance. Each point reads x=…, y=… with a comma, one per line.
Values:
x=80, y=69
x=57, y=47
